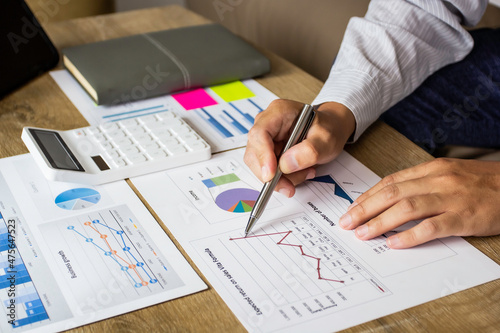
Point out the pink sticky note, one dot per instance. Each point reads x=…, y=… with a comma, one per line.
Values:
x=194, y=99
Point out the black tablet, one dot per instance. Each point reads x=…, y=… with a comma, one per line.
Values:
x=25, y=49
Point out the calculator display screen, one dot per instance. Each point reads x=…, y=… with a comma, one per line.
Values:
x=55, y=150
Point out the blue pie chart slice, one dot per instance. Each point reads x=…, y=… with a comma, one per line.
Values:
x=77, y=198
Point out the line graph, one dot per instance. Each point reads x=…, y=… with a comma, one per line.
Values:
x=106, y=256
x=323, y=257
x=293, y=264
x=125, y=263
x=300, y=247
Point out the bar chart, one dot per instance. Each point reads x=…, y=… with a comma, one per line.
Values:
x=222, y=114
x=16, y=286
x=220, y=190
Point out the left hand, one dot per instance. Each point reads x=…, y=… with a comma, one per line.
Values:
x=453, y=198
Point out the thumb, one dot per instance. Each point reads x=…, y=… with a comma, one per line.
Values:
x=298, y=157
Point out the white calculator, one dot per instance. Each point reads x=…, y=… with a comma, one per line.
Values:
x=117, y=150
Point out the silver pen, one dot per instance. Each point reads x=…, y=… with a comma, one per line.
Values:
x=304, y=121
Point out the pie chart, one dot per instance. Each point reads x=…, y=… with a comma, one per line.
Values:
x=237, y=200
x=77, y=198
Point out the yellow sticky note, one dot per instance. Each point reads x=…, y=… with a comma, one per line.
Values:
x=232, y=91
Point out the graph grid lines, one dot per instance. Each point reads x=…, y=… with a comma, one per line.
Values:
x=300, y=247
x=129, y=264
x=327, y=267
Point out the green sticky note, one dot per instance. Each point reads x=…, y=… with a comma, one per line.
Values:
x=232, y=91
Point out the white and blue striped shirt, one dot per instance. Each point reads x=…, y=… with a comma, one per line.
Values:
x=387, y=54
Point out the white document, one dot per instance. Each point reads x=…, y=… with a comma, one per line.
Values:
x=222, y=116
x=298, y=270
x=71, y=254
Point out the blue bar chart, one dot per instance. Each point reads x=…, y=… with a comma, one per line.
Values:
x=16, y=286
x=214, y=123
x=235, y=123
x=4, y=235
x=229, y=109
x=246, y=115
x=223, y=115
x=231, y=119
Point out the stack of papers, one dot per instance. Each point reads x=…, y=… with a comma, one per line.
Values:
x=298, y=270
x=72, y=254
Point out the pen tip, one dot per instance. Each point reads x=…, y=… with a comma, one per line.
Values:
x=250, y=225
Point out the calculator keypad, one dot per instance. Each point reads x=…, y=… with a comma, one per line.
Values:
x=138, y=140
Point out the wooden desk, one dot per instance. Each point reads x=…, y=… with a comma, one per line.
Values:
x=41, y=103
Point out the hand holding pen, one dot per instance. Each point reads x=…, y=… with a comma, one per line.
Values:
x=333, y=125
x=330, y=130
x=304, y=121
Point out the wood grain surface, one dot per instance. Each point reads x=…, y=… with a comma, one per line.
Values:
x=41, y=103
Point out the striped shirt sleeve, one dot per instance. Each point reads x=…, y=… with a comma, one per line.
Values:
x=387, y=54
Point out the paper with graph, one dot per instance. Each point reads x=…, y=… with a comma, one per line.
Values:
x=298, y=271
x=222, y=114
x=72, y=254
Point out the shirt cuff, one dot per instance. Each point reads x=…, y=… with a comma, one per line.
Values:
x=358, y=91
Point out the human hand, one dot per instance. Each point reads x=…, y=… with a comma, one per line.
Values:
x=453, y=197
x=332, y=127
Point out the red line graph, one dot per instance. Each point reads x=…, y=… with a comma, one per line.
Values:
x=293, y=245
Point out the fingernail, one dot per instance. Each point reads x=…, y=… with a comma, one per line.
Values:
x=285, y=192
x=290, y=163
x=394, y=241
x=362, y=231
x=311, y=174
x=354, y=204
x=345, y=221
x=265, y=173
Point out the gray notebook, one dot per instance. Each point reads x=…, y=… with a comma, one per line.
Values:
x=141, y=66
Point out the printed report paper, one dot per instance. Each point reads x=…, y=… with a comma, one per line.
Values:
x=221, y=114
x=72, y=254
x=298, y=270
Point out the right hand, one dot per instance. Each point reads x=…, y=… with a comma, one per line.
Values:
x=332, y=127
